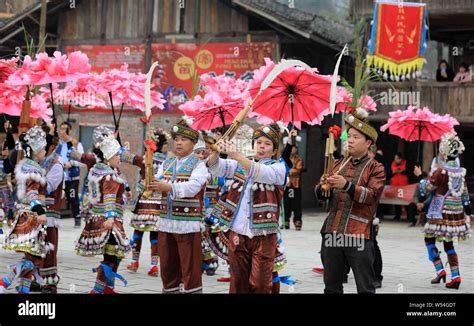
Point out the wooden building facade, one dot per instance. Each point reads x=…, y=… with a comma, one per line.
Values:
x=294, y=33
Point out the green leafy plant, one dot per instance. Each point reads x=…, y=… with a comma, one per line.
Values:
x=362, y=75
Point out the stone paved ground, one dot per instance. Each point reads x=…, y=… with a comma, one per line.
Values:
x=406, y=266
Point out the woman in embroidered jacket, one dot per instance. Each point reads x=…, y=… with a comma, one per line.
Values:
x=52, y=194
x=103, y=233
x=28, y=232
x=146, y=212
x=446, y=217
x=251, y=208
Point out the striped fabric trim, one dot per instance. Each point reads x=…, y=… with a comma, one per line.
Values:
x=127, y=157
x=360, y=219
x=363, y=194
x=101, y=209
x=348, y=186
x=53, y=214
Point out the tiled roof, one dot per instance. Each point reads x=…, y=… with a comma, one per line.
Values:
x=307, y=24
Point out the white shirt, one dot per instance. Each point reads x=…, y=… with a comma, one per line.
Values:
x=183, y=190
x=54, y=177
x=274, y=174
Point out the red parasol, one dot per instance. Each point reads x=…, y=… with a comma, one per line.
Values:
x=297, y=94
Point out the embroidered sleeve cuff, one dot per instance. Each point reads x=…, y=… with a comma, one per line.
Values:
x=37, y=207
x=110, y=214
x=175, y=193
x=127, y=157
x=347, y=186
x=360, y=194
x=35, y=203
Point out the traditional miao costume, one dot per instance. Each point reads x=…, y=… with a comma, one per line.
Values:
x=26, y=234
x=218, y=241
x=52, y=193
x=106, y=188
x=89, y=160
x=181, y=212
x=449, y=207
x=251, y=209
x=146, y=212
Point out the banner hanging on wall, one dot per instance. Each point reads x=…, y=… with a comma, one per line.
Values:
x=398, y=39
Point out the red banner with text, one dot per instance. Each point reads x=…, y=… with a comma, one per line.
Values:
x=180, y=61
x=111, y=56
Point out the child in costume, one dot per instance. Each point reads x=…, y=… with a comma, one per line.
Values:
x=103, y=233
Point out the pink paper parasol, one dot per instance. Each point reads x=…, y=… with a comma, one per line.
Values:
x=7, y=68
x=344, y=101
x=215, y=116
x=419, y=124
x=75, y=93
x=40, y=108
x=124, y=88
x=12, y=99
x=220, y=105
x=48, y=70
